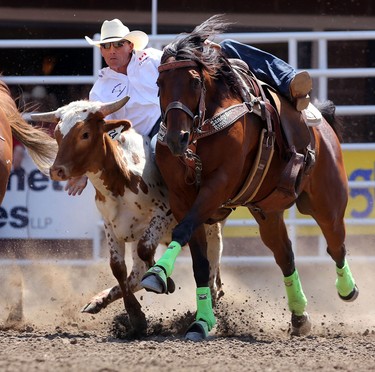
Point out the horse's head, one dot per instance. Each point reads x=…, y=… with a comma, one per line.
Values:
x=194, y=80
x=182, y=102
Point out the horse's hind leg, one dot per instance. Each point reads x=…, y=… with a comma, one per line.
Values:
x=330, y=218
x=334, y=232
x=274, y=235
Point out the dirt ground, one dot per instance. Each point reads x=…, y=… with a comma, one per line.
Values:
x=251, y=334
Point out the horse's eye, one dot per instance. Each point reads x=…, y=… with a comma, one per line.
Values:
x=85, y=136
x=196, y=83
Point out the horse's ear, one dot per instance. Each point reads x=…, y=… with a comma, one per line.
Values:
x=114, y=124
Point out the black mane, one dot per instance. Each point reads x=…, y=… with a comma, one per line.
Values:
x=191, y=46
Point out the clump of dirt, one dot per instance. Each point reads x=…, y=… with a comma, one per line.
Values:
x=157, y=326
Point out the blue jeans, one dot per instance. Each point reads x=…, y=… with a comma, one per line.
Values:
x=265, y=66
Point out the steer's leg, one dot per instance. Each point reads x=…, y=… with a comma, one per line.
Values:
x=109, y=295
x=102, y=299
x=132, y=306
x=214, y=251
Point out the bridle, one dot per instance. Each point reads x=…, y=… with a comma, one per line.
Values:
x=198, y=118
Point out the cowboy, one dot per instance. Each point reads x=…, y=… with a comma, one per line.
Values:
x=133, y=71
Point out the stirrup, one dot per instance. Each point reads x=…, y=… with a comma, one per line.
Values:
x=312, y=116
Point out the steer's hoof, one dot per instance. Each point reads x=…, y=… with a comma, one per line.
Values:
x=92, y=308
x=155, y=280
x=301, y=324
x=198, y=331
x=351, y=296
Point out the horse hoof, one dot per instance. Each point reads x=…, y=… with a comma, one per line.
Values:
x=198, y=331
x=351, y=296
x=301, y=324
x=194, y=336
x=171, y=287
x=155, y=280
x=152, y=283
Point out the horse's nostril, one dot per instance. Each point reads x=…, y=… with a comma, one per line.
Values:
x=178, y=142
x=185, y=138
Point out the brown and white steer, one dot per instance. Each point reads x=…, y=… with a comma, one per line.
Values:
x=130, y=195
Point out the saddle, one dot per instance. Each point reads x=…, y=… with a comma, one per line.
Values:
x=293, y=137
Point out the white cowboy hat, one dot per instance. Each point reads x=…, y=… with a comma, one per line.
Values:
x=115, y=30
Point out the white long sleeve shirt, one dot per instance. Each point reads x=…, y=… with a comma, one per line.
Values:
x=139, y=84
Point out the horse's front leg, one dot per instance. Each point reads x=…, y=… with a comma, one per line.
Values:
x=155, y=279
x=274, y=235
x=204, y=318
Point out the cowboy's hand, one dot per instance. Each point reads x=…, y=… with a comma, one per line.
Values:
x=76, y=185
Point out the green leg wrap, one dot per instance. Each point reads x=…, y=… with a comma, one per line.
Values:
x=345, y=282
x=169, y=258
x=296, y=298
x=204, y=307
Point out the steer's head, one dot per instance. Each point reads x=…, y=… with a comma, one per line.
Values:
x=80, y=133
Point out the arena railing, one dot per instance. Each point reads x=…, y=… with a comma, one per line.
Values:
x=321, y=72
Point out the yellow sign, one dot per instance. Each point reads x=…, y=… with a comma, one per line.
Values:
x=360, y=166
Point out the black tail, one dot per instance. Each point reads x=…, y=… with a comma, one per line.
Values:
x=328, y=110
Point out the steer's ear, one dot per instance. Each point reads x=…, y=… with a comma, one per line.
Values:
x=113, y=124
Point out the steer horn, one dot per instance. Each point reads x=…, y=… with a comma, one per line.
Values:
x=110, y=107
x=49, y=117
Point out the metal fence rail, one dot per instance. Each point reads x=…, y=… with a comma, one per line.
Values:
x=292, y=39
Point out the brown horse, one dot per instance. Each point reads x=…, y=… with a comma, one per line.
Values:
x=216, y=153
x=42, y=148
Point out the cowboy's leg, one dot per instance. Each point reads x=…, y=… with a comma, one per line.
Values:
x=272, y=70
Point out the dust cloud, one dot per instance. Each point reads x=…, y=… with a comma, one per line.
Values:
x=48, y=296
